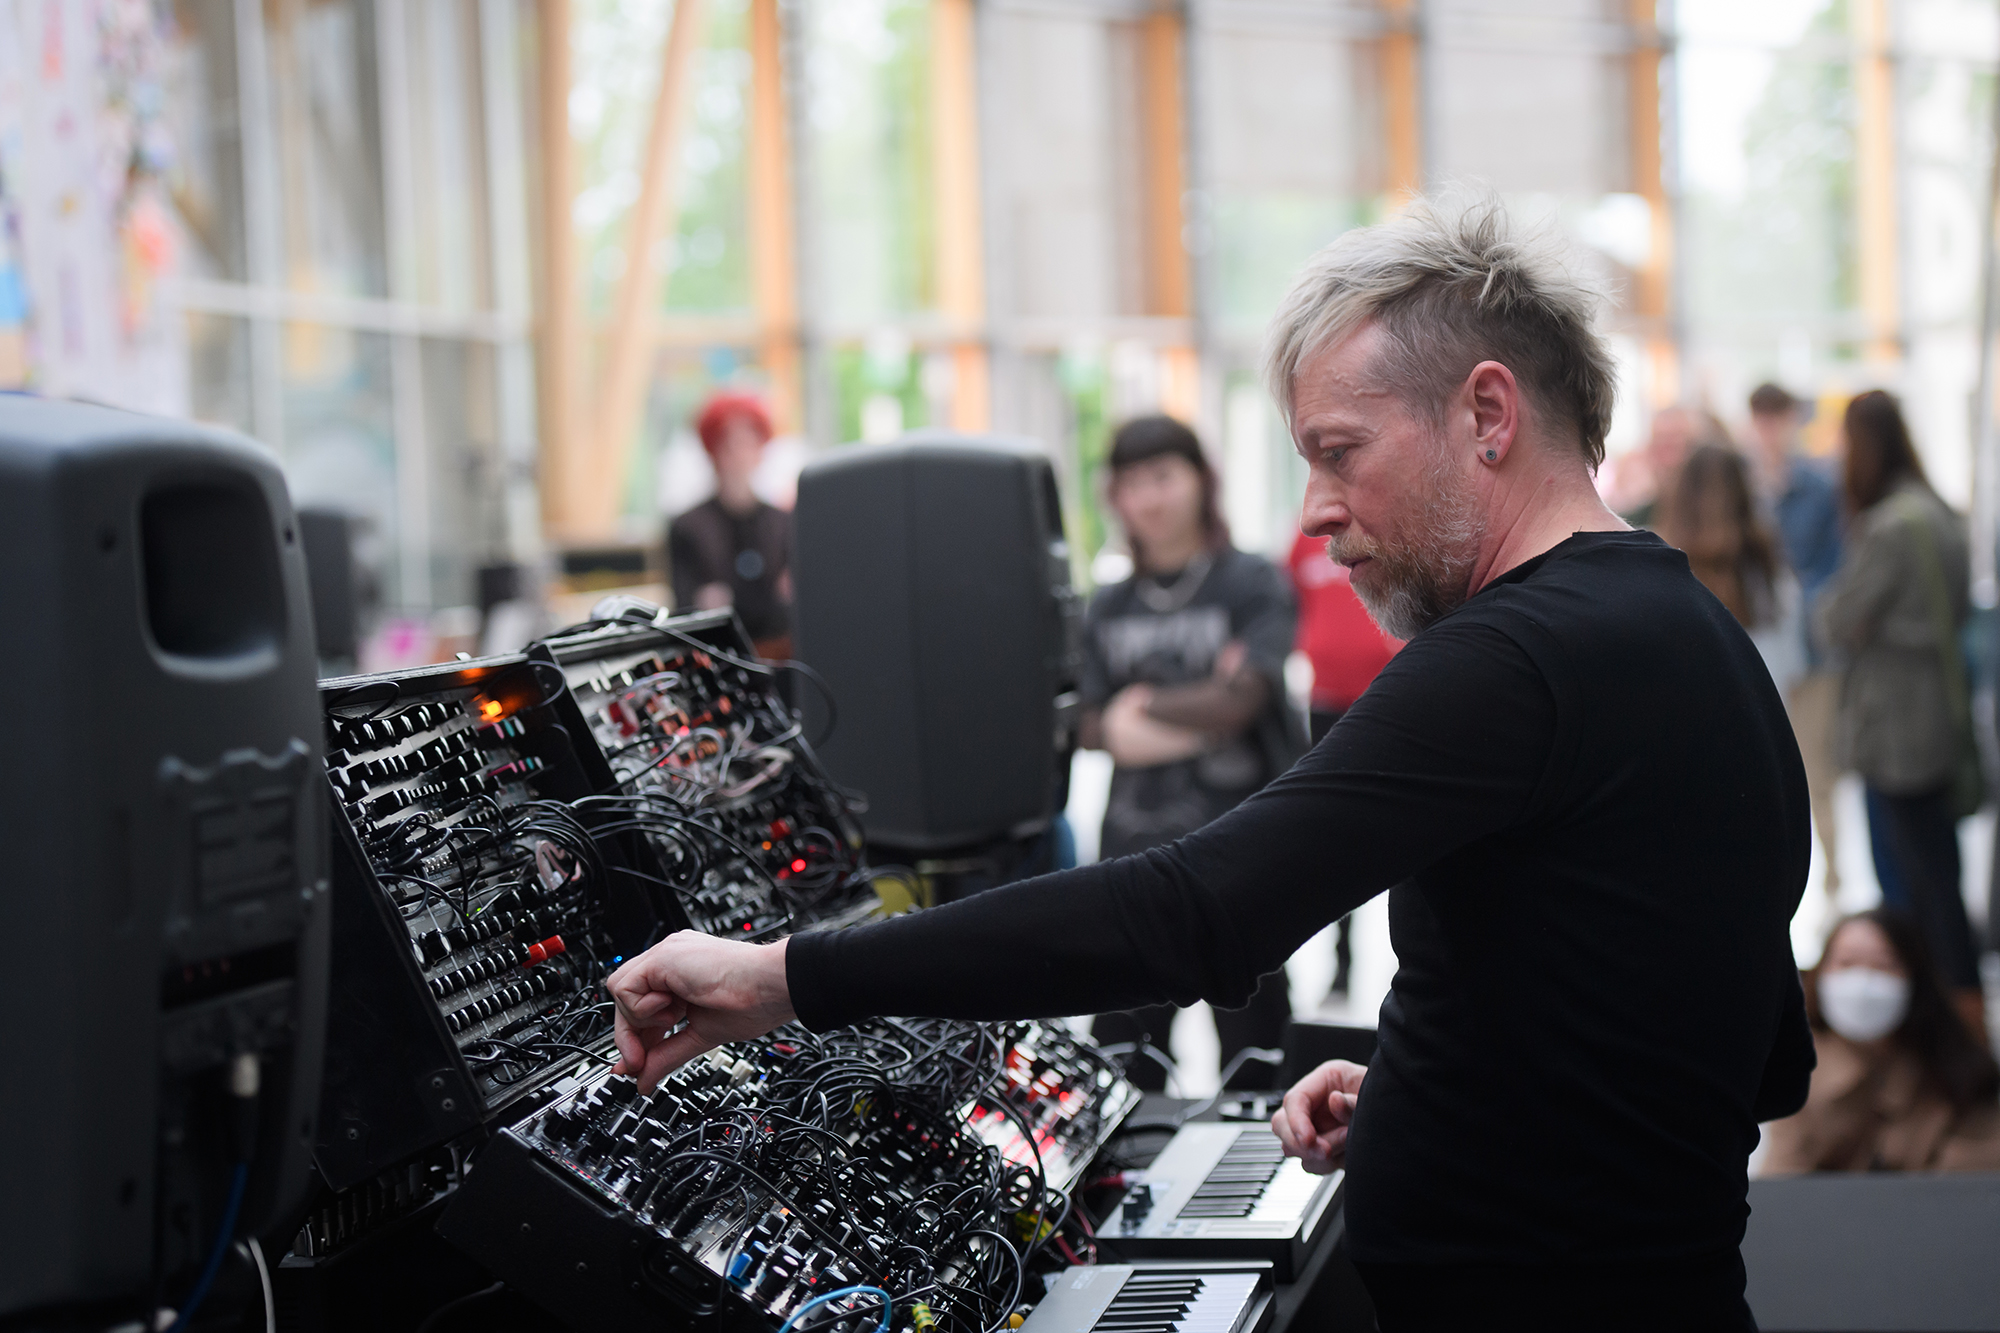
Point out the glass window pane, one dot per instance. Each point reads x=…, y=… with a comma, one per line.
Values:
x=323, y=90
x=618, y=48
x=1289, y=125
x=340, y=450
x=219, y=370
x=449, y=201
x=206, y=177
x=868, y=119
x=1530, y=98
x=1065, y=162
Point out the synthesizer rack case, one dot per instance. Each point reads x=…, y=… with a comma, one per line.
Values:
x=397, y=1083
x=783, y=853
x=404, y=1112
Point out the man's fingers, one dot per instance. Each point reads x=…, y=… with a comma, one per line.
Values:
x=1325, y=1152
x=1281, y=1125
x=645, y=1006
x=633, y=1041
x=1298, y=1111
x=671, y=1054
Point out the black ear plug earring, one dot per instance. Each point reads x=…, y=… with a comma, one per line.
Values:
x=1491, y=455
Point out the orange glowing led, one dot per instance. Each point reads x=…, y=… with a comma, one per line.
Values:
x=491, y=709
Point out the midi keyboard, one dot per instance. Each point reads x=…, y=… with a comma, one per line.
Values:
x=1222, y=1190
x=1216, y=1296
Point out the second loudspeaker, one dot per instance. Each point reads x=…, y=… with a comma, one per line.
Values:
x=933, y=594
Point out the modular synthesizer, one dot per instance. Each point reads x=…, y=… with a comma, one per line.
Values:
x=713, y=769
x=906, y=1161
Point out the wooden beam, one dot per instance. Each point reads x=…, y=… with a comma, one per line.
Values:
x=1163, y=149
x=1653, y=280
x=961, y=263
x=1875, y=180
x=559, y=327
x=1400, y=58
x=774, y=279
x=628, y=357
x=1169, y=276
x=1653, y=290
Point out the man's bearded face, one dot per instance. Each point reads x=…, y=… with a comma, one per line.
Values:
x=1422, y=570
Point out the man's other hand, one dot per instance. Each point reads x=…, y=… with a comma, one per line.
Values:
x=1313, y=1122
x=689, y=994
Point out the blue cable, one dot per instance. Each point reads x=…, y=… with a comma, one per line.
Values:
x=792, y=1320
x=226, y=1233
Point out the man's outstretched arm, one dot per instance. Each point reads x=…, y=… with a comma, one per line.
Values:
x=1450, y=744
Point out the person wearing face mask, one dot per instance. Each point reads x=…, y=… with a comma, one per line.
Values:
x=1183, y=682
x=1901, y=1084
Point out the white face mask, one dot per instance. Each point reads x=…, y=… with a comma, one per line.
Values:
x=1862, y=1004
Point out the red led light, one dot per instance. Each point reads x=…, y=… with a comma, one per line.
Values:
x=799, y=865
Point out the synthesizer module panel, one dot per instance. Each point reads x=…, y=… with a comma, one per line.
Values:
x=712, y=767
x=478, y=904
x=771, y=1173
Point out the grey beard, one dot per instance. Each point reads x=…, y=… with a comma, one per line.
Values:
x=1431, y=576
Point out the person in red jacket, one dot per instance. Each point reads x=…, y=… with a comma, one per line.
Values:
x=1346, y=649
x=1344, y=645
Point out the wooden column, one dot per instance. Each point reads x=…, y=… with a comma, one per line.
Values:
x=1400, y=60
x=1653, y=281
x=629, y=352
x=1169, y=276
x=1163, y=144
x=961, y=256
x=774, y=276
x=1875, y=182
x=559, y=326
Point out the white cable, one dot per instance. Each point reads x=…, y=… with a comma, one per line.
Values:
x=254, y=1252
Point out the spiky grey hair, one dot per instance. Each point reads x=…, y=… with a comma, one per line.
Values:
x=1453, y=282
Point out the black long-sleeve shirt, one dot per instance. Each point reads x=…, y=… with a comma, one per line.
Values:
x=1584, y=789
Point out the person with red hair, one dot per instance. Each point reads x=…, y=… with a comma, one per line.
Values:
x=733, y=549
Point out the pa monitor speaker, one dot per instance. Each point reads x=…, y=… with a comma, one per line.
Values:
x=933, y=594
x=163, y=811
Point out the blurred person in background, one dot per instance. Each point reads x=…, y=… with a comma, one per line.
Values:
x=1346, y=648
x=1711, y=515
x=1895, y=608
x=734, y=550
x=1806, y=505
x=1675, y=430
x=1668, y=440
x=1901, y=1084
x=1183, y=682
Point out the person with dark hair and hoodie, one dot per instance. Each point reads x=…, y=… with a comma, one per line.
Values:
x=1183, y=682
x=1902, y=1085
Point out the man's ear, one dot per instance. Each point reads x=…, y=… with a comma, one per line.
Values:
x=1492, y=400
